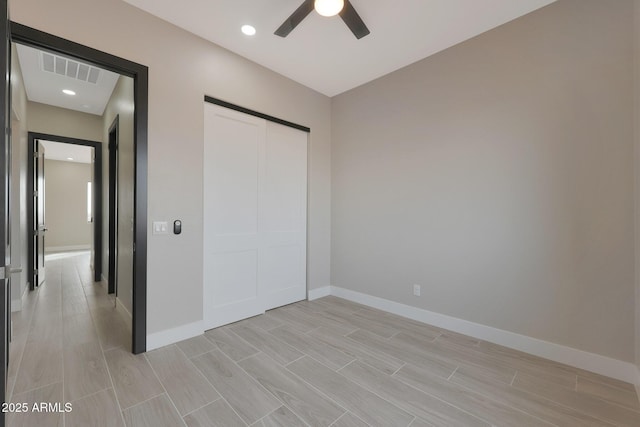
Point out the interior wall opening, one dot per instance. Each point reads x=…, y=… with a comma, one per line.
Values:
x=70, y=107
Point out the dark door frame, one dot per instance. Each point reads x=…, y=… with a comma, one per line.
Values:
x=39, y=227
x=140, y=74
x=97, y=200
x=113, y=135
x=5, y=180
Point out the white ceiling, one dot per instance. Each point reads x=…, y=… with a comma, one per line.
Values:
x=60, y=151
x=322, y=53
x=46, y=87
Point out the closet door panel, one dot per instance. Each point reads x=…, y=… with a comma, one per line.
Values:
x=283, y=216
x=231, y=244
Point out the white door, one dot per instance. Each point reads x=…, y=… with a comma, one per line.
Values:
x=231, y=149
x=255, y=196
x=283, y=217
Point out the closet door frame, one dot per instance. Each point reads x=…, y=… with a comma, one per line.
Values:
x=267, y=117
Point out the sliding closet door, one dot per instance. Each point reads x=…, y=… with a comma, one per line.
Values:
x=233, y=144
x=255, y=215
x=283, y=217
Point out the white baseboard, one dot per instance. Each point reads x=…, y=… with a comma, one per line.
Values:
x=66, y=248
x=170, y=336
x=120, y=308
x=592, y=362
x=16, y=304
x=637, y=384
x=318, y=293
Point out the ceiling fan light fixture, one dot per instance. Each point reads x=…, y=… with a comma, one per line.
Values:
x=328, y=7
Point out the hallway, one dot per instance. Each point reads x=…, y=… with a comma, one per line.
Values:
x=62, y=339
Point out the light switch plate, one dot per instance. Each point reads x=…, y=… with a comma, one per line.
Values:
x=160, y=227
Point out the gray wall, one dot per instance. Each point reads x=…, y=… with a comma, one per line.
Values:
x=63, y=122
x=66, y=205
x=121, y=105
x=18, y=196
x=182, y=69
x=498, y=174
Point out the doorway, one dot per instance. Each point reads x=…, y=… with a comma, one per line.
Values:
x=36, y=206
x=139, y=75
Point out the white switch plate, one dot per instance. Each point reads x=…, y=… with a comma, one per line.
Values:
x=416, y=290
x=160, y=227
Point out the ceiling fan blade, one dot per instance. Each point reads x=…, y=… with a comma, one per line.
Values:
x=353, y=20
x=295, y=18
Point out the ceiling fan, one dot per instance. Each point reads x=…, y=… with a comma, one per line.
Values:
x=325, y=8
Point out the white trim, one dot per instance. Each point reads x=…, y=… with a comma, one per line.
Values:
x=637, y=384
x=16, y=304
x=173, y=335
x=318, y=293
x=66, y=248
x=597, y=363
x=120, y=308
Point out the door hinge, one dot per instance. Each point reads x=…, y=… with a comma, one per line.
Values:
x=35, y=193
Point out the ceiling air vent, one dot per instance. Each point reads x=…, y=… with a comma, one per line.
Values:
x=67, y=67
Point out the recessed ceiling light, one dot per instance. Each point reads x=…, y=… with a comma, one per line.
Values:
x=69, y=158
x=85, y=106
x=248, y=30
x=68, y=92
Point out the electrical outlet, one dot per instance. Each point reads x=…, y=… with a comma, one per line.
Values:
x=416, y=290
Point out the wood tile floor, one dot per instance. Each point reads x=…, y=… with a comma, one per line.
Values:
x=328, y=362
